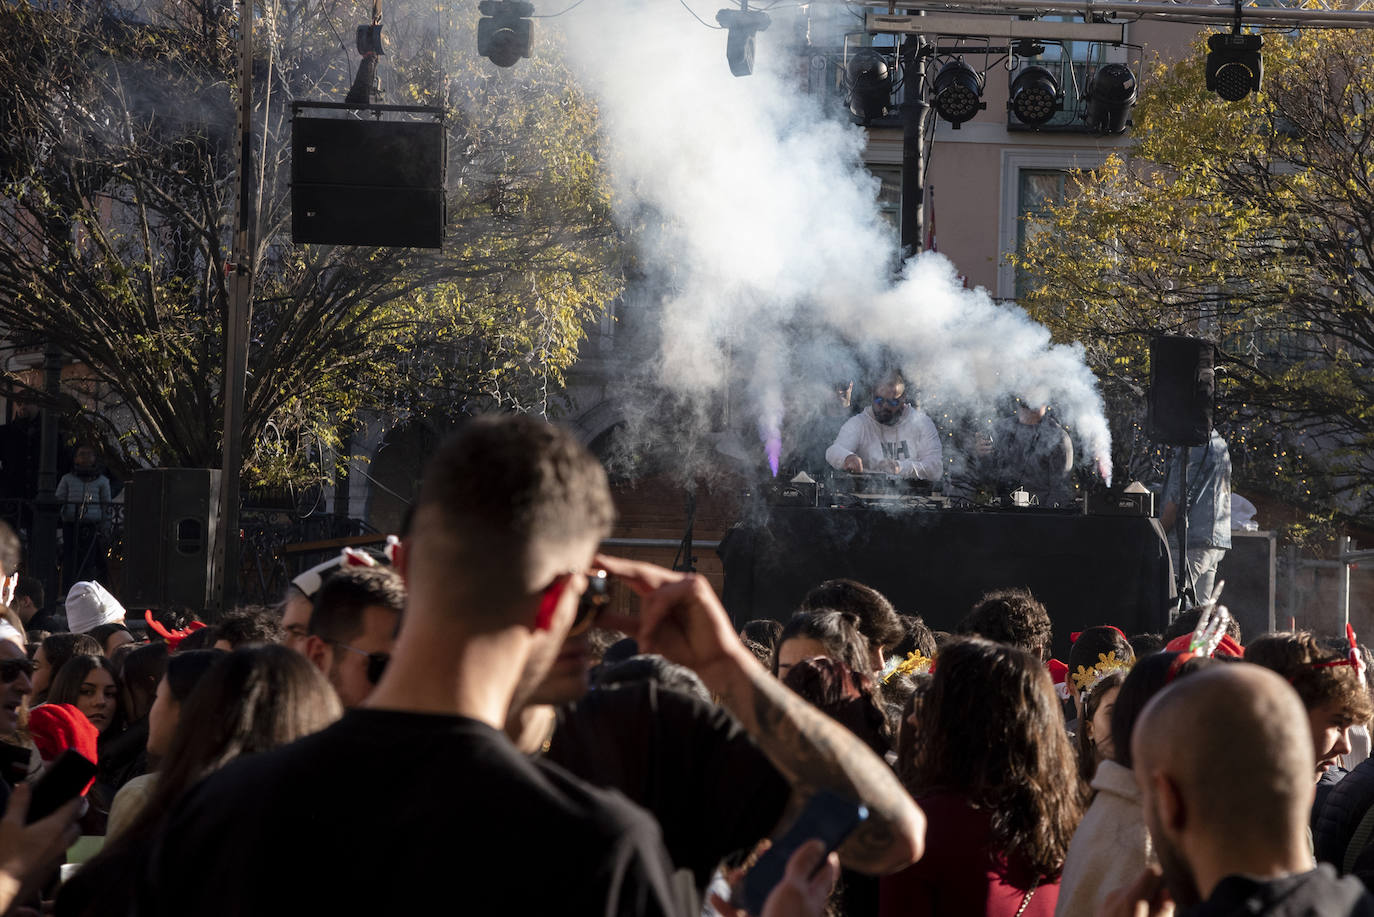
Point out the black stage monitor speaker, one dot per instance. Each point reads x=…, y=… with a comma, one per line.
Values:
x=1182, y=390
x=170, y=538
x=368, y=182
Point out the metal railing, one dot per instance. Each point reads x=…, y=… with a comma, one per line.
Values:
x=276, y=544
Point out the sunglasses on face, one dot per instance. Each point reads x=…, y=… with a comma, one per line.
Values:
x=376, y=662
x=594, y=601
x=879, y=401
x=11, y=668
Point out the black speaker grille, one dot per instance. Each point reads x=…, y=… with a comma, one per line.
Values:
x=392, y=154
x=352, y=215
x=170, y=537
x=1182, y=390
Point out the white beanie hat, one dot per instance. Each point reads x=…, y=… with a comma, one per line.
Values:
x=89, y=605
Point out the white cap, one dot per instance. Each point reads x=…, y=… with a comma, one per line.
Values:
x=7, y=632
x=311, y=580
x=90, y=605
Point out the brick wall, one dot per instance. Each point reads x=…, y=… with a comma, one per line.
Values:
x=655, y=508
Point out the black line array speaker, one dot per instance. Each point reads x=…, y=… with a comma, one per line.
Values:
x=1182, y=390
x=368, y=182
x=170, y=538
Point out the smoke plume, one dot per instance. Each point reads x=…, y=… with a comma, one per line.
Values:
x=771, y=265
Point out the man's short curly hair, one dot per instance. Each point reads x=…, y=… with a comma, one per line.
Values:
x=878, y=620
x=1011, y=616
x=1299, y=656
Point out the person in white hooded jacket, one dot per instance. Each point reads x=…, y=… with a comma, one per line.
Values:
x=890, y=436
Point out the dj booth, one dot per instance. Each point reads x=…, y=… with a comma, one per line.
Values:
x=1087, y=570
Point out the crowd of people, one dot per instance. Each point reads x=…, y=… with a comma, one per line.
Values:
x=474, y=719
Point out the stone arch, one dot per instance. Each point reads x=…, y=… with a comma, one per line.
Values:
x=394, y=472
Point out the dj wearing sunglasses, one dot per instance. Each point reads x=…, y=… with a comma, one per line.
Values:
x=890, y=436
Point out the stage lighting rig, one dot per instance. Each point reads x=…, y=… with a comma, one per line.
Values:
x=870, y=85
x=366, y=87
x=1111, y=93
x=1234, y=67
x=958, y=91
x=741, y=25
x=1035, y=96
x=369, y=40
x=505, y=31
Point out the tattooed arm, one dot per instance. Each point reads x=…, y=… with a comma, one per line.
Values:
x=682, y=619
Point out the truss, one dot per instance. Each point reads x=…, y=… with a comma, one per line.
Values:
x=1284, y=14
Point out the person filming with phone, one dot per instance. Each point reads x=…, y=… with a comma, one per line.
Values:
x=717, y=778
x=510, y=512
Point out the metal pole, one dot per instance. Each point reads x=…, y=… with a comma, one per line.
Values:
x=43, y=548
x=1185, y=573
x=1292, y=582
x=915, y=115
x=1273, y=580
x=238, y=317
x=1343, y=584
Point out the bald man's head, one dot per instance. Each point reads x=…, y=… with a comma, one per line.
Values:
x=1224, y=757
x=1236, y=739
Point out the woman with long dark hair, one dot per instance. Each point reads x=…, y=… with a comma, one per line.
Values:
x=844, y=695
x=252, y=700
x=1094, y=736
x=184, y=672
x=820, y=632
x=849, y=698
x=91, y=685
x=997, y=778
x=52, y=654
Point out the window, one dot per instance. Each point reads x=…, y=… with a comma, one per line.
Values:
x=1032, y=180
x=1038, y=190
x=889, y=194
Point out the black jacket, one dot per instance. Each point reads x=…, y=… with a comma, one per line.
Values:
x=1318, y=893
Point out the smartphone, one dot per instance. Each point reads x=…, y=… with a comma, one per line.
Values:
x=594, y=601
x=65, y=780
x=826, y=816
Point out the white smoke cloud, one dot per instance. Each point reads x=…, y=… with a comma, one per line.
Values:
x=775, y=263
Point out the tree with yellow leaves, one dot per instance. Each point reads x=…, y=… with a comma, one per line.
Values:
x=117, y=163
x=1251, y=224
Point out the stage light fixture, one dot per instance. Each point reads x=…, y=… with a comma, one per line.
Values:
x=958, y=92
x=1034, y=96
x=870, y=85
x=1111, y=93
x=1234, y=67
x=741, y=26
x=504, y=32
x=366, y=87
x=369, y=40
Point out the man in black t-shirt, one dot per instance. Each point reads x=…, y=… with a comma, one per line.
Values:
x=417, y=797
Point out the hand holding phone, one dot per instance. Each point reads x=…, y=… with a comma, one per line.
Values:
x=828, y=818
x=30, y=850
x=68, y=777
